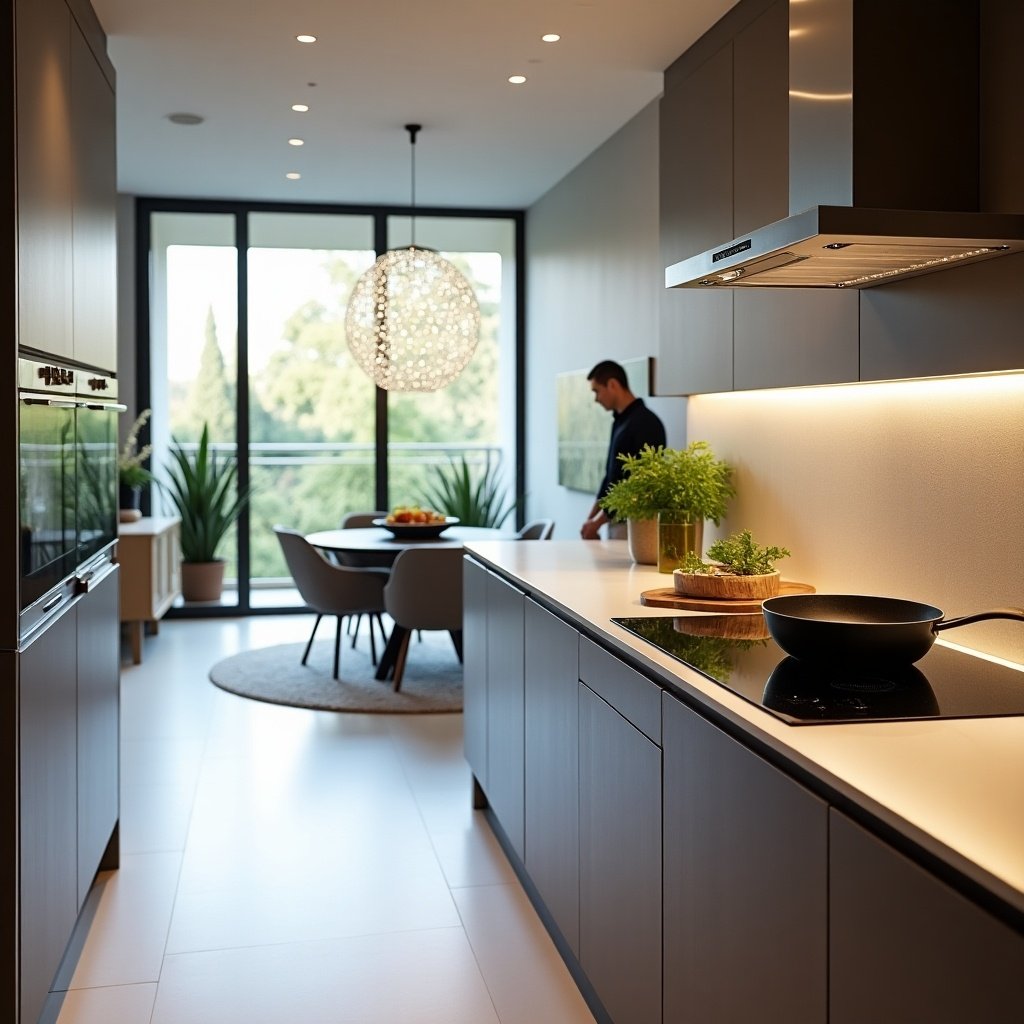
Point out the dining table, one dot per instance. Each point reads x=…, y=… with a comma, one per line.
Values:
x=377, y=547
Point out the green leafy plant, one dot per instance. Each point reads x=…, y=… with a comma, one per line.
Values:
x=204, y=493
x=477, y=499
x=130, y=469
x=689, y=480
x=738, y=555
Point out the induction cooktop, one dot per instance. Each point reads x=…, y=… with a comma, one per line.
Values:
x=737, y=652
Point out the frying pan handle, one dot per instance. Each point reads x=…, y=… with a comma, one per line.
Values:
x=995, y=613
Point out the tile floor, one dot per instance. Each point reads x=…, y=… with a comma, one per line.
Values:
x=282, y=865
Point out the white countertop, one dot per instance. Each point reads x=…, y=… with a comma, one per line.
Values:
x=955, y=787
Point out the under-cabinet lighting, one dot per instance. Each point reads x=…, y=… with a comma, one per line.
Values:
x=517, y=79
x=550, y=37
x=296, y=142
x=300, y=108
x=293, y=175
x=306, y=39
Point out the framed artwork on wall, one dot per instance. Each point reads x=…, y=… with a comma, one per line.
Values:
x=584, y=427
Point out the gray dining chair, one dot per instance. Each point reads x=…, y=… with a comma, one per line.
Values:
x=424, y=592
x=356, y=521
x=537, y=529
x=330, y=589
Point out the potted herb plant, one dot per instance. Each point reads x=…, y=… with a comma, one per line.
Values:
x=682, y=486
x=739, y=568
x=132, y=475
x=204, y=491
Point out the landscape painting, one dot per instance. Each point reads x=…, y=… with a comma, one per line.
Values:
x=584, y=427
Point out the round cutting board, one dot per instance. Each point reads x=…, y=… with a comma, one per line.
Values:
x=666, y=597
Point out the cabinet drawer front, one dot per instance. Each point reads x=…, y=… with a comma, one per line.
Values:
x=637, y=699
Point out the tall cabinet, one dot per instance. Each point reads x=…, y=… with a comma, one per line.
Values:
x=59, y=713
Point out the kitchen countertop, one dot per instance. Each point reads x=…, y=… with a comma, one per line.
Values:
x=953, y=787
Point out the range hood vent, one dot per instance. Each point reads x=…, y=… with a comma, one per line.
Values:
x=846, y=247
x=884, y=154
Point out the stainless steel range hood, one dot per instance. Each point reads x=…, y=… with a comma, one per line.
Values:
x=847, y=247
x=884, y=154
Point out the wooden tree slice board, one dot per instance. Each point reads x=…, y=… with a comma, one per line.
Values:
x=668, y=598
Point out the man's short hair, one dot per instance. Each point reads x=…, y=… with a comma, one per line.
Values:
x=607, y=370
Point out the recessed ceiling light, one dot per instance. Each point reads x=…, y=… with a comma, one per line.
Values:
x=300, y=107
x=293, y=175
x=517, y=79
x=185, y=119
x=550, y=37
x=296, y=142
x=306, y=39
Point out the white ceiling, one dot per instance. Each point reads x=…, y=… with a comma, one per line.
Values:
x=376, y=66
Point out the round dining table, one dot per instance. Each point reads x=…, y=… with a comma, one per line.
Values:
x=375, y=546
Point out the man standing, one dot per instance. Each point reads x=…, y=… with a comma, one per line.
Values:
x=633, y=426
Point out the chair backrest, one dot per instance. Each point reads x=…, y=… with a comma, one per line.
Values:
x=354, y=520
x=425, y=588
x=326, y=588
x=537, y=529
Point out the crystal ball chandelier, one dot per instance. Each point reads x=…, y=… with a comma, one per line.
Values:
x=413, y=320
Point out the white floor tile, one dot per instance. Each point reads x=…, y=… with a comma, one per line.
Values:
x=422, y=977
x=471, y=855
x=125, y=945
x=526, y=977
x=120, y=1004
x=155, y=818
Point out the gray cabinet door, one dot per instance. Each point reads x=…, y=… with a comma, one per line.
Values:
x=94, y=295
x=696, y=197
x=98, y=709
x=745, y=856
x=505, y=711
x=904, y=948
x=45, y=168
x=48, y=807
x=474, y=668
x=959, y=321
x=620, y=862
x=552, y=767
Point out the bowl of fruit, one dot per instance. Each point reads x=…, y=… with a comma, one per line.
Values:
x=411, y=521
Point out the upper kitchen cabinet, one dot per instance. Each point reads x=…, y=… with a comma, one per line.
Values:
x=695, y=342
x=94, y=223
x=723, y=170
x=67, y=188
x=44, y=139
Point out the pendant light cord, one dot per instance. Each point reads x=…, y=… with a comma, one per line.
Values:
x=412, y=129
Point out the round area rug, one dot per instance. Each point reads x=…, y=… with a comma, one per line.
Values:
x=432, y=680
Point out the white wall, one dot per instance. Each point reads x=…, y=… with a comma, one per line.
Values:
x=593, y=278
x=910, y=489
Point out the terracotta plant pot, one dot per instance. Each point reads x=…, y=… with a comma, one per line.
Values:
x=202, y=581
x=725, y=587
x=642, y=536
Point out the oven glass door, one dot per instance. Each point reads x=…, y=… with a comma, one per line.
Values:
x=97, y=478
x=46, y=494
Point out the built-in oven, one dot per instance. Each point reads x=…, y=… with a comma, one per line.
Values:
x=67, y=477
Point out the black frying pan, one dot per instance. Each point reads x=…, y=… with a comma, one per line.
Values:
x=861, y=630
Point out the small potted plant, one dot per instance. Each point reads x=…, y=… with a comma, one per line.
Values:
x=132, y=475
x=739, y=569
x=204, y=492
x=682, y=487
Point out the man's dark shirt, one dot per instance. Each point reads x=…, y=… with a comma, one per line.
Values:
x=632, y=428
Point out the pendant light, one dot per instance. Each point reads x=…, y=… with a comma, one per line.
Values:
x=413, y=320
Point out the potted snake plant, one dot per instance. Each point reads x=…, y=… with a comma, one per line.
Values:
x=204, y=491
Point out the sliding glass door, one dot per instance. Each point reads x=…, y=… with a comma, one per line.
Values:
x=244, y=330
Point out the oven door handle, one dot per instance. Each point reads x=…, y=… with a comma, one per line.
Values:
x=52, y=402
x=104, y=406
